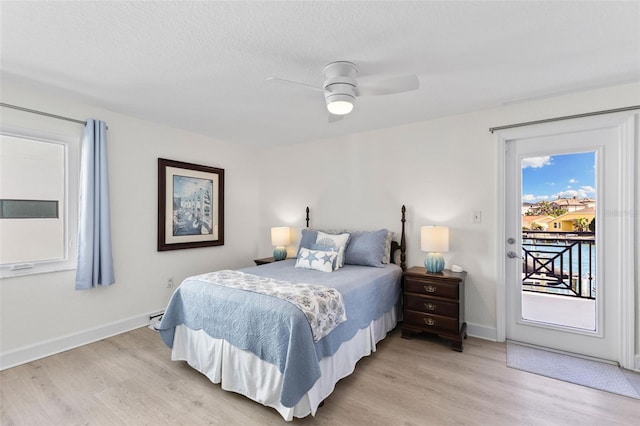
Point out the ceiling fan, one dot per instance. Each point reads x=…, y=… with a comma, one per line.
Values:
x=341, y=88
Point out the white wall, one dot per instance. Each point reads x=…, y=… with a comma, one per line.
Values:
x=43, y=312
x=442, y=170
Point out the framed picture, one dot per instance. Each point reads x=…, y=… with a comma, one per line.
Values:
x=190, y=205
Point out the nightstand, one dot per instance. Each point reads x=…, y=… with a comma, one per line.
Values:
x=265, y=260
x=434, y=303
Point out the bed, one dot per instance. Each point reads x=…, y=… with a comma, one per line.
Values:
x=283, y=334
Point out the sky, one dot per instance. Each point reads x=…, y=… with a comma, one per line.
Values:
x=565, y=176
x=184, y=186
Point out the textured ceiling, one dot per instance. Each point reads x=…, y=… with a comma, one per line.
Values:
x=202, y=66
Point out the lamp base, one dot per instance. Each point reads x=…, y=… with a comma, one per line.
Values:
x=280, y=253
x=434, y=262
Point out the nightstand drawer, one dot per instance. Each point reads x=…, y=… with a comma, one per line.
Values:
x=431, y=288
x=434, y=303
x=429, y=322
x=431, y=306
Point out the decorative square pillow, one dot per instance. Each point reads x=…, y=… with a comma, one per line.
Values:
x=367, y=248
x=316, y=259
x=337, y=241
x=308, y=237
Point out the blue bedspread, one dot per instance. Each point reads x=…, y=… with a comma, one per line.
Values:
x=276, y=330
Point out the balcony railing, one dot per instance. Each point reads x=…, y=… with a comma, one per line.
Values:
x=561, y=263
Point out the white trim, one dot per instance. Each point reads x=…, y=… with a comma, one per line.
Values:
x=50, y=347
x=482, y=331
x=501, y=245
x=627, y=122
x=556, y=351
x=629, y=137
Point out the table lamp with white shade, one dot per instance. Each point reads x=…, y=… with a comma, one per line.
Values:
x=435, y=241
x=280, y=237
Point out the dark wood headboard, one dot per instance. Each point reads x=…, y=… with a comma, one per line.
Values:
x=402, y=245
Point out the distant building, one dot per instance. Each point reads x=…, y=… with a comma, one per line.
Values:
x=564, y=223
x=569, y=204
x=530, y=222
x=527, y=207
x=588, y=202
x=533, y=217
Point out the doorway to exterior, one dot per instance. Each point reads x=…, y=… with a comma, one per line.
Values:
x=558, y=240
x=563, y=285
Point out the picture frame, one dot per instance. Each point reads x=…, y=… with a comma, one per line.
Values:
x=190, y=205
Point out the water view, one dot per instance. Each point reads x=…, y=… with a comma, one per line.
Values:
x=560, y=266
x=559, y=224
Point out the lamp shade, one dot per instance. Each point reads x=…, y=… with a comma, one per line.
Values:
x=280, y=236
x=434, y=239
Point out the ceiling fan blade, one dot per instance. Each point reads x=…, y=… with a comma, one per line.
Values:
x=294, y=83
x=390, y=86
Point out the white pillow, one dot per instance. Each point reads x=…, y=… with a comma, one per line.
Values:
x=337, y=241
x=387, y=248
x=316, y=259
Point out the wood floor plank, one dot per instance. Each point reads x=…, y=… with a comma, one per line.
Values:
x=129, y=379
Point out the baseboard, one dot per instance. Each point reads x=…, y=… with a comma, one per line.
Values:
x=53, y=346
x=482, y=332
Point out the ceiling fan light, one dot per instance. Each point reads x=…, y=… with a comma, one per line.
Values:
x=340, y=104
x=340, y=107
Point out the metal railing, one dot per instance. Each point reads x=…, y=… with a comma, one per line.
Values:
x=561, y=263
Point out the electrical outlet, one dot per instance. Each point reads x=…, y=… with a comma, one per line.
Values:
x=170, y=282
x=477, y=216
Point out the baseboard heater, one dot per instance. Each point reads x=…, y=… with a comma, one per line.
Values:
x=154, y=321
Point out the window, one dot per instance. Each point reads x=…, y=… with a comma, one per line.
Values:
x=29, y=209
x=38, y=202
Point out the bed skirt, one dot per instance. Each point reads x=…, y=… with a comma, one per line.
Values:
x=245, y=373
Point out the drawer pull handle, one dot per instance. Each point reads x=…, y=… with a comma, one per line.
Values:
x=429, y=321
x=430, y=306
x=430, y=289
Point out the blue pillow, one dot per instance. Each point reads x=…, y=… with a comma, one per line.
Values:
x=366, y=248
x=308, y=237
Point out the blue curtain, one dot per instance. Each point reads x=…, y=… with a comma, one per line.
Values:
x=95, y=263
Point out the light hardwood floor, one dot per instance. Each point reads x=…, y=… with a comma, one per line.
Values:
x=130, y=380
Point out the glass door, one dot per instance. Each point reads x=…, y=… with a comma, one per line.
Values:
x=562, y=277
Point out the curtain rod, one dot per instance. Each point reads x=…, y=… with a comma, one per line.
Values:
x=566, y=117
x=33, y=111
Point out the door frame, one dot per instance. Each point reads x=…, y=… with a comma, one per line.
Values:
x=627, y=125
